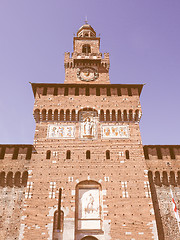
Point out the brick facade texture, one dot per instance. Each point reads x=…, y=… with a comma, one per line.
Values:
x=135, y=182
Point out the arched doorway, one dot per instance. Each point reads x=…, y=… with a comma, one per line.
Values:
x=89, y=238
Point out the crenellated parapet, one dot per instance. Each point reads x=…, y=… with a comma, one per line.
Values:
x=106, y=90
x=15, y=151
x=164, y=152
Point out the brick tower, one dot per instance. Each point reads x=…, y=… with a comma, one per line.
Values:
x=87, y=175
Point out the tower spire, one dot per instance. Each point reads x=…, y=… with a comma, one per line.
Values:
x=86, y=21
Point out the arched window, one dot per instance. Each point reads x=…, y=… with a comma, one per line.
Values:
x=136, y=115
x=9, y=179
x=125, y=115
x=86, y=193
x=130, y=115
x=127, y=154
x=113, y=115
x=172, y=178
x=157, y=179
x=17, y=179
x=62, y=115
x=48, y=154
x=165, y=179
x=24, y=178
x=107, y=115
x=86, y=49
x=73, y=115
x=56, y=115
x=2, y=179
x=102, y=115
x=37, y=115
x=119, y=116
x=50, y=115
x=107, y=154
x=44, y=115
x=67, y=115
x=88, y=154
x=68, y=154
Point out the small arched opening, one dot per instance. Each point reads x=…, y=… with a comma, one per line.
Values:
x=125, y=115
x=102, y=115
x=73, y=115
x=172, y=178
x=37, y=115
x=165, y=179
x=127, y=154
x=2, y=179
x=107, y=115
x=44, y=115
x=113, y=115
x=157, y=179
x=24, y=178
x=86, y=49
x=119, y=116
x=136, y=115
x=9, y=179
x=67, y=115
x=68, y=154
x=50, y=114
x=88, y=154
x=130, y=115
x=107, y=154
x=48, y=154
x=56, y=115
x=62, y=115
x=17, y=179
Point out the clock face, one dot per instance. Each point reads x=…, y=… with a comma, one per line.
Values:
x=87, y=74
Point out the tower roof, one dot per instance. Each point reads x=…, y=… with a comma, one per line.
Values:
x=86, y=31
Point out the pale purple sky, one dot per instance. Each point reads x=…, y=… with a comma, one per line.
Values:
x=142, y=37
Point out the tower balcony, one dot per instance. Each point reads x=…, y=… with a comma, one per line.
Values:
x=90, y=56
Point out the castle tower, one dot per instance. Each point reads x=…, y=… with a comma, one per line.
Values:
x=86, y=63
x=87, y=177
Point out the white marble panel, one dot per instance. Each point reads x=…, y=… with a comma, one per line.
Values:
x=114, y=131
x=61, y=131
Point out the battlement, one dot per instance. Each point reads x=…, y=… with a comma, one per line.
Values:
x=14, y=150
x=86, y=90
x=155, y=152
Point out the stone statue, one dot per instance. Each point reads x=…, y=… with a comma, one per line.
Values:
x=88, y=128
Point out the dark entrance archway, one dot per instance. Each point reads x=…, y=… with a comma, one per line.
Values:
x=89, y=238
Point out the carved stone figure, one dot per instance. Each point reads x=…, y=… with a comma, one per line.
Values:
x=88, y=127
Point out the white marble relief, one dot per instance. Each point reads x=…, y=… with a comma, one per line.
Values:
x=61, y=131
x=114, y=131
x=89, y=209
x=88, y=125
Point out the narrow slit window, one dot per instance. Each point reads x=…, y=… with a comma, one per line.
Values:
x=88, y=154
x=68, y=154
x=48, y=154
x=127, y=154
x=107, y=154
